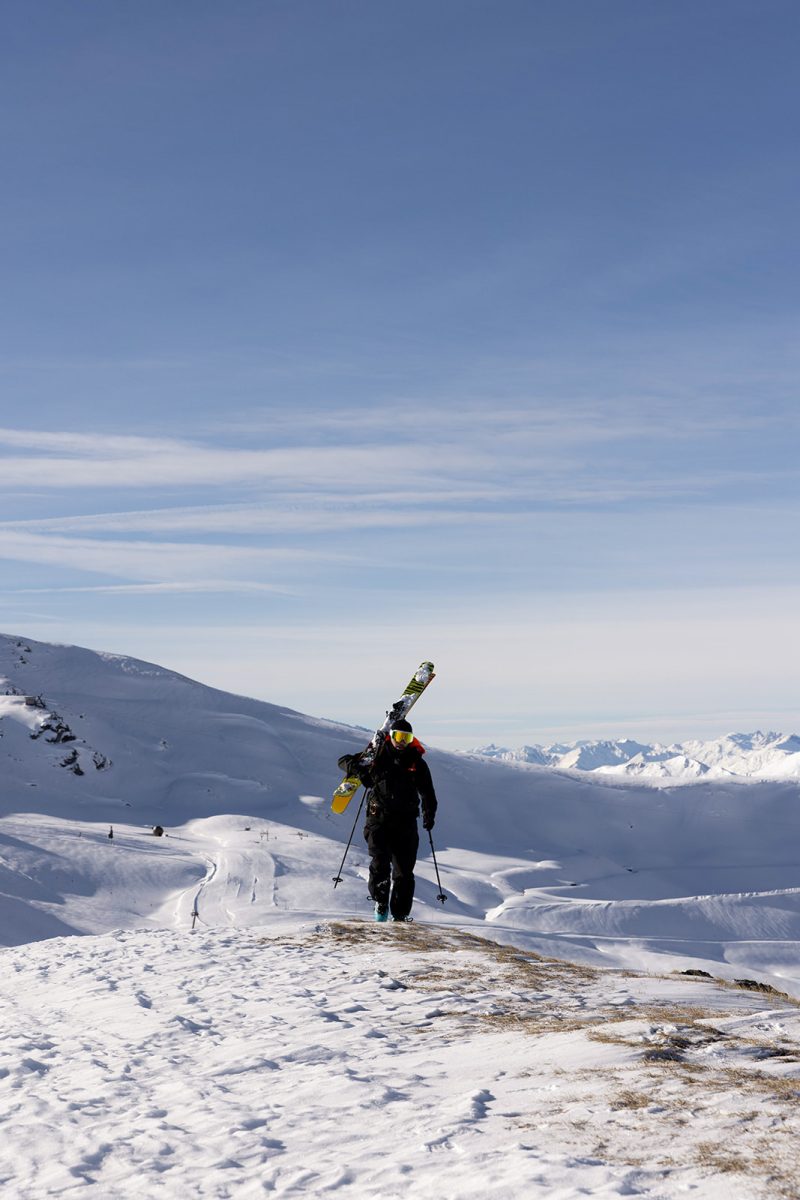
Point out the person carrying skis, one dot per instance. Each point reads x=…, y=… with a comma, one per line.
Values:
x=398, y=781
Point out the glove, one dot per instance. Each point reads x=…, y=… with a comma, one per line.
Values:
x=428, y=821
x=349, y=763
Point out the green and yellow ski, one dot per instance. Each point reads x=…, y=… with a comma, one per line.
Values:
x=414, y=689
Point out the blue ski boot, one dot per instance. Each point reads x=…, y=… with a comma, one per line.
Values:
x=381, y=914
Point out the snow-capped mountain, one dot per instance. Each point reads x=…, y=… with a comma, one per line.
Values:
x=744, y=756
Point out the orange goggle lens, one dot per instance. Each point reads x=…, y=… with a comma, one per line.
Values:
x=402, y=737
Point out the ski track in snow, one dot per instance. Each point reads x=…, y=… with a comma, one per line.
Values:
x=342, y=1058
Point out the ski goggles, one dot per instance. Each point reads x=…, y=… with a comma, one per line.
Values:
x=401, y=737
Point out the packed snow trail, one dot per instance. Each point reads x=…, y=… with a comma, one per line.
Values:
x=307, y=1059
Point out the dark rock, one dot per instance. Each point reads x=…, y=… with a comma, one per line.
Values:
x=58, y=727
x=72, y=763
x=753, y=985
x=663, y=1054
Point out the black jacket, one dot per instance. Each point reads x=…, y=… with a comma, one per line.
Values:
x=398, y=781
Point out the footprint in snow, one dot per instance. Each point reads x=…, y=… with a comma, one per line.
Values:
x=33, y=1064
x=478, y=1109
x=440, y=1143
x=479, y=1102
x=193, y=1026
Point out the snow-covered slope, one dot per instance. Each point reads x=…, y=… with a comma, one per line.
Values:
x=764, y=756
x=237, y=1027
x=565, y=863
x=340, y=1058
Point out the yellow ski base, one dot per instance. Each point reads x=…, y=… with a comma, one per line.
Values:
x=345, y=792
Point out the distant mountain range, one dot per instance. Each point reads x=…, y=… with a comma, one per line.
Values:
x=765, y=756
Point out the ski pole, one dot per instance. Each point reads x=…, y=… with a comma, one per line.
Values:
x=441, y=896
x=338, y=877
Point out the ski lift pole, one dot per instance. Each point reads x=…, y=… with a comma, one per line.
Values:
x=337, y=878
x=441, y=896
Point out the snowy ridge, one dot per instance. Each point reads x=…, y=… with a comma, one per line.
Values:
x=764, y=756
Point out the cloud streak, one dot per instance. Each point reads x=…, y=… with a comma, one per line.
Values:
x=181, y=464
x=521, y=492
x=198, y=586
x=164, y=562
x=500, y=456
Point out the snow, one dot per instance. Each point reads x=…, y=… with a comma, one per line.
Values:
x=14, y=708
x=230, y=1025
x=312, y=1057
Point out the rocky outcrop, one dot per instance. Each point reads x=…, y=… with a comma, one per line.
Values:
x=57, y=729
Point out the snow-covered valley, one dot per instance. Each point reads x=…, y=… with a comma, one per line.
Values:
x=235, y=1026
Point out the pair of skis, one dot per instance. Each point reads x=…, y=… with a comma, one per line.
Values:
x=400, y=709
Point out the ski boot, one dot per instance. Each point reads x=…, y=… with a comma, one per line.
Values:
x=381, y=914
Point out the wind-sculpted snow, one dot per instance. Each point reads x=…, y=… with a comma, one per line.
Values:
x=317, y=1057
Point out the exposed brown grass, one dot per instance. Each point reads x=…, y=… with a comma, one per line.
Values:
x=709, y=1154
x=631, y=1099
x=668, y=1088
x=780, y=1087
x=529, y=1023
x=678, y=1013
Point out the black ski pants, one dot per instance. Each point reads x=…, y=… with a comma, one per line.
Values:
x=393, y=846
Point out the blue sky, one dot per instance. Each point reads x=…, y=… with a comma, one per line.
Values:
x=335, y=336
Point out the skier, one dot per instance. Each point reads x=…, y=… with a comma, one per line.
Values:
x=397, y=781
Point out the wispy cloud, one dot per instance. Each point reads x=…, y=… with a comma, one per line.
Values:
x=160, y=562
x=471, y=418
x=182, y=464
x=465, y=486
x=538, y=457
x=325, y=515
x=511, y=503
x=197, y=586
